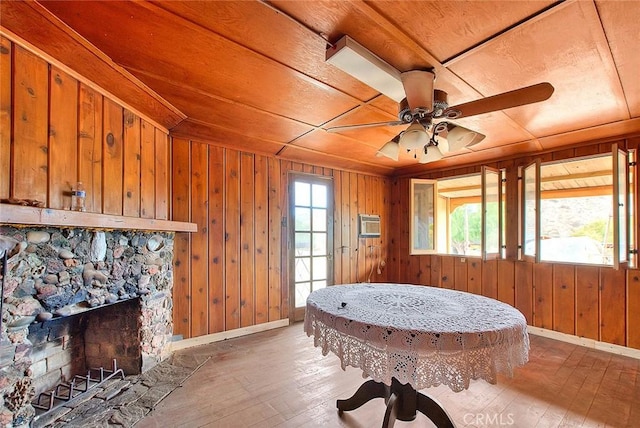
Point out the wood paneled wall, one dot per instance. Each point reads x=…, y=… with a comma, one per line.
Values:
x=233, y=272
x=595, y=302
x=56, y=130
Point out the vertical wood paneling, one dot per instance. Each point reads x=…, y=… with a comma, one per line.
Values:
x=543, y=295
x=394, y=234
x=413, y=270
x=564, y=298
x=247, y=240
x=346, y=250
x=163, y=179
x=436, y=271
x=199, y=240
x=112, y=158
x=474, y=276
x=489, y=284
x=612, y=306
x=261, y=221
x=523, y=274
x=6, y=69
x=353, y=227
x=511, y=215
x=506, y=286
x=132, y=156
x=460, y=277
x=147, y=170
x=587, y=308
x=232, y=240
x=30, y=128
x=424, y=272
x=633, y=308
x=337, y=228
x=276, y=268
x=402, y=227
x=63, y=143
x=447, y=272
x=216, y=240
x=363, y=251
x=285, y=167
x=90, y=146
x=182, y=244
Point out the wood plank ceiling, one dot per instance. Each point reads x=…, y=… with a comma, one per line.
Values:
x=251, y=74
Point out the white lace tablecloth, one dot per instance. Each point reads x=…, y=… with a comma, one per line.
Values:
x=421, y=335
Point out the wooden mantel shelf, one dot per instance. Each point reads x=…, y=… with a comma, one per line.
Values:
x=21, y=215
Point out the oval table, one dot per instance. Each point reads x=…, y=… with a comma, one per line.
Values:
x=410, y=337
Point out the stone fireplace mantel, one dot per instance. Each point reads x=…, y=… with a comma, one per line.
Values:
x=24, y=215
x=64, y=266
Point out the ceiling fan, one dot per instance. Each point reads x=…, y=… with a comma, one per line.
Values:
x=424, y=109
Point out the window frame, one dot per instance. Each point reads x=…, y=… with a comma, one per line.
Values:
x=413, y=249
x=486, y=170
x=623, y=218
x=620, y=194
x=533, y=166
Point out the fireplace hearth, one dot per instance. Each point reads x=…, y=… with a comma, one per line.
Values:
x=77, y=298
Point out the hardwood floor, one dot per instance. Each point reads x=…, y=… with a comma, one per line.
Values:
x=278, y=379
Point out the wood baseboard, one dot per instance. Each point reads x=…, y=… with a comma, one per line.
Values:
x=217, y=337
x=583, y=341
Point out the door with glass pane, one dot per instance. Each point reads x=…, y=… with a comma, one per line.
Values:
x=311, y=239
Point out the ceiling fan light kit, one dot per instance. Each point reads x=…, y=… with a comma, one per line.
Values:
x=414, y=137
x=391, y=149
x=420, y=104
x=430, y=154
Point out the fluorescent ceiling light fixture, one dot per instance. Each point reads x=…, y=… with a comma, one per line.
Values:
x=355, y=60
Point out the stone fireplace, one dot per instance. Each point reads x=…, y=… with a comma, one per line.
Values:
x=75, y=299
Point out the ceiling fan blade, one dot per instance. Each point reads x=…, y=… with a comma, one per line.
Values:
x=518, y=97
x=364, y=125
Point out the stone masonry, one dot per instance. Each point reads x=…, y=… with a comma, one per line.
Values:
x=55, y=274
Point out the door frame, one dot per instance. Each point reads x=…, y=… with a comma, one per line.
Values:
x=296, y=315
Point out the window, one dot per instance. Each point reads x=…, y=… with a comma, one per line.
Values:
x=576, y=211
x=450, y=216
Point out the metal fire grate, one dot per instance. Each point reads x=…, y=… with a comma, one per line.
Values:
x=65, y=392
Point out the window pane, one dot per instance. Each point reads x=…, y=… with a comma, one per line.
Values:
x=319, y=284
x=465, y=229
x=459, y=218
x=576, y=211
x=302, y=292
x=319, y=268
x=319, y=193
x=319, y=220
x=303, y=218
x=303, y=244
x=303, y=194
x=319, y=244
x=422, y=216
x=303, y=269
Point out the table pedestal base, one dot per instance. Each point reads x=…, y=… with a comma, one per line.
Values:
x=403, y=403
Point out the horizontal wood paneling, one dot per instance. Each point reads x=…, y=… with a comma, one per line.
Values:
x=65, y=131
